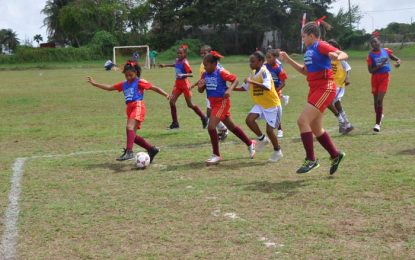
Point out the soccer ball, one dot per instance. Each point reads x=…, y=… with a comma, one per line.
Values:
x=142, y=160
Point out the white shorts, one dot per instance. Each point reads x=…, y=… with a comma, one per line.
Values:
x=208, y=104
x=339, y=94
x=271, y=115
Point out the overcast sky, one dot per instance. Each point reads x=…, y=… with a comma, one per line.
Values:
x=24, y=17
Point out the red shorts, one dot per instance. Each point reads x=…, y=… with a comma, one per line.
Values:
x=380, y=83
x=182, y=86
x=321, y=93
x=136, y=110
x=220, y=107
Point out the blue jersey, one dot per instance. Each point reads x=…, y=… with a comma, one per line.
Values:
x=182, y=67
x=131, y=91
x=277, y=74
x=377, y=59
x=317, y=61
x=216, y=82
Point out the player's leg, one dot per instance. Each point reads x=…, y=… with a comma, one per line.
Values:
x=378, y=104
x=236, y=130
x=131, y=127
x=173, y=99
x=196, y=109
x=252, y=124
x=214, y=139
x=273, y=120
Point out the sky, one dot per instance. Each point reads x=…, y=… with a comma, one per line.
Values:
x=24, y=17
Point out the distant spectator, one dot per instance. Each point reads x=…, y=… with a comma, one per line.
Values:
x=136, y=56
x=153, y=55
x=109, y=65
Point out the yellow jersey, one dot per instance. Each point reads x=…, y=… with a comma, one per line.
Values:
x=266, y=98
x=340, y=69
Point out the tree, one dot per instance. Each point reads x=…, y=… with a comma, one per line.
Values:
x=38, y=38
x=9, y=39
x=51, y=11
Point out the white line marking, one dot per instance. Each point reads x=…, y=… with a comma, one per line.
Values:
x=11, y=216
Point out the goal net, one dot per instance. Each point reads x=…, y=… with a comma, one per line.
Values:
x=139, y=53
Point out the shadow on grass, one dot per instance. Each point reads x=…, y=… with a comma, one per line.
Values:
x=407, y=152
x=116, y=167
x=283, y=188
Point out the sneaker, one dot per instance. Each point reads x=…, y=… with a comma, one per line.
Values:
x=275, y=156
x=335, y=162
x=251, y=149
x=153, y=152
x=205, y=122
x=260, y=145
x=127, y=155
x=342, y=127
x=223, y=134
x=286, y=99
x=280, y=133
x=376, y=129
x=308, y=166
x=213, y=160
x=173, y=125
x=349, y=127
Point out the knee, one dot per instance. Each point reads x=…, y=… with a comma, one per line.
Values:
x=189, y=105
x=301, y=122
x=248, y=120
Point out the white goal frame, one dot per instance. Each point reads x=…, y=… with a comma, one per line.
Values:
x=147, y=59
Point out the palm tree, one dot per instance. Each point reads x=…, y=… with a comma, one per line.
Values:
x=38, y=38
x=51, y=11
x=9, y=39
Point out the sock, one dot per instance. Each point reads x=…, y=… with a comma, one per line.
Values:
x=379, y=111
x=277, y=148
x=221, y=126
x=340, y=118
x=326, y=142
x=241, y=135
x=344, y=116
x=261, y=138
x=214, y=139
x=173, y=113
x=307, y=139
x=142, y=142
x=198, y=112
x=130, y=139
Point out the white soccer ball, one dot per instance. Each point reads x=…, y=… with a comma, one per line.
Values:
x=142, y=160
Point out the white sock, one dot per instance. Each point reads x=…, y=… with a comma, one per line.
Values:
x=343, y=114
x=340, y=118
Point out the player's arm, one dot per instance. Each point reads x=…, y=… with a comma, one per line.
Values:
x=338, y=55
x=167, y=65
x=394, y=58
x=231, y=88
x=348, y=69
x=160, y=91
x=261, y=85
x=91, y=81
x=281, y=86
x=201, y=85
x=297, y=66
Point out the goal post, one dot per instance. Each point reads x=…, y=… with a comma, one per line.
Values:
x=128, y=52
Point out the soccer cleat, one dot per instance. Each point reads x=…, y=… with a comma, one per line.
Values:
x=335, y=162
x=260, y=145
x=153, y=152
x=205, y=122
x=173, y=125
x=213, y=160
x=349, y=127
x=223, y=134
x=308, y=166
x=286, y=99
x=280, y=133
x=127, y=155
x=251, y=149
x=342, y=127
x=376, y=129
x=275, y=156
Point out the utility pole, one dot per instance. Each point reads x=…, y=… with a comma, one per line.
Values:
x=350, y=15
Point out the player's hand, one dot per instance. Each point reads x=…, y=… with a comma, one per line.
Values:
x=398, y=64
x=227, y=93
x=201, y=83
x=283, y=55
x=168, y=97
x=90, y=80
x=161, y=65
x=333, y=56
x=347, y=82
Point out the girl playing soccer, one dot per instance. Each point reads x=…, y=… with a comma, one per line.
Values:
x=267, y=106
x=379, y=66
x=133, y=88
x=279, y=77
x=322, y=91
x=341, y=74
x=221, y=128
x=214, y=80
x=182, y=85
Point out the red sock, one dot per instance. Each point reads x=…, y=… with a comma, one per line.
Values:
x=379, y=112
x=173, y=113
x=214, y=139
x=241, y=135
x=130, y=139
x=198, y=111
x=142, y=142
x=326, y=142
x=307, y=139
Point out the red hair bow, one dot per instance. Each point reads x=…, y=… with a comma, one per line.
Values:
x=375, y=34
x=132, y=63
x=216, y=54
x=320, y=20
x=184, y=46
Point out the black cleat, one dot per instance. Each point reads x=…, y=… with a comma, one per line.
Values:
x=153, y=152
x=335, y=162
x=205, y=122
x=173, y=125
x=127, y=155
x=308, y=166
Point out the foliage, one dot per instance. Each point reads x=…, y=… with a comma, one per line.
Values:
x=38, y=38
x=193, y=49
x=103, y=42
x=8, y=38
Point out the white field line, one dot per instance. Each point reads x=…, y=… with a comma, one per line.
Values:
x=9, y=238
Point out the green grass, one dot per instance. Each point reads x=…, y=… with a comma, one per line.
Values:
x=89, y=206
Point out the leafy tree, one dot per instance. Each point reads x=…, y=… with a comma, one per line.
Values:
x=38, y=38
x=9, y=39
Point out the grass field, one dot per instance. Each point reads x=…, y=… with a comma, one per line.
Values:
x=82, y=204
